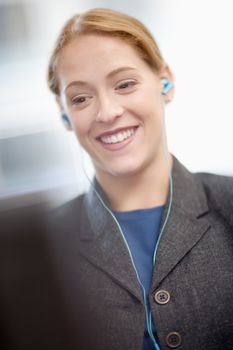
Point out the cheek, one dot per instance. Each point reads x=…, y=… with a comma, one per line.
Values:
x=150, y=111
x=149, y=101
x=81, y=127
x=83, y=131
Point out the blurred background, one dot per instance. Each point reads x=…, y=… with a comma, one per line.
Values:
x=40, y=161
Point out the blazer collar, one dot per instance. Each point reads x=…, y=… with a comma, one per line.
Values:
x=188, y=192
x=105, y=247
x=188, y=196
x=186, y=225
x=102, y=243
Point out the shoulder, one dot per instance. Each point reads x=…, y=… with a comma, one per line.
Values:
x=217, y=186
x=219, y=193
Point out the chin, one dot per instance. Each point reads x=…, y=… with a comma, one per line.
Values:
x=123, y=166
x=122, y=170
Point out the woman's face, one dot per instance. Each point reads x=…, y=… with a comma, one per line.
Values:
x=114, y=103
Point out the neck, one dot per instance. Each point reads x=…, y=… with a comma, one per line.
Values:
x=146, y=189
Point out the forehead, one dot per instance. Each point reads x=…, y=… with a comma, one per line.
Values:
x=89, y=52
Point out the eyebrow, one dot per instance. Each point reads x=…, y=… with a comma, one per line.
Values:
x=119, y=70
x=109, y=75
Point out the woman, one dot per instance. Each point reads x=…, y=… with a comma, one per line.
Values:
x=155, y=241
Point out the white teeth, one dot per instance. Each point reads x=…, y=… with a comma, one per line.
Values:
x=114, y=138
x=119, y=137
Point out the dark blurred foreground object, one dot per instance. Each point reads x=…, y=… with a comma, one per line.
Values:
x=33, y=313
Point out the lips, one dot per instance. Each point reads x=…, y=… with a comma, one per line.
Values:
x=117, y=136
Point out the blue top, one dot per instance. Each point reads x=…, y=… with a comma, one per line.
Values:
x=141, y=231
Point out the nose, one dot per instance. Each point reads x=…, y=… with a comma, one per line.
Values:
x=109, y=109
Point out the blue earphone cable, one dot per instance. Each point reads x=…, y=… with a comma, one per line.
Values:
x=146, y=306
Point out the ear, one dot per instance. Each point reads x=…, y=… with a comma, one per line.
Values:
x=166, y=73
x=64, y=116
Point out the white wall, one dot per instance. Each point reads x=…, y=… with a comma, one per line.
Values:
x=196, y=38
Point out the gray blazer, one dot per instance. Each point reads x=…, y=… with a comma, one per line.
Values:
x=72, y=286
x=191, y=295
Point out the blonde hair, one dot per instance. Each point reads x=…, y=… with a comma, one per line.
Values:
x=108, y=22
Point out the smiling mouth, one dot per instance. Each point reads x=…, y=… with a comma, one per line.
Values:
x=118, y=137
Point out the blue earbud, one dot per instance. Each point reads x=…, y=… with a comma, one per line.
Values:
x=65, y=119
x=167, y=85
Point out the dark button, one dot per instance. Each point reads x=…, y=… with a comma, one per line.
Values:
x=173, y=340
x=162, y=297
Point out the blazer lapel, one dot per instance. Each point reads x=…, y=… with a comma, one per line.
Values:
x=186, y=223
x=102, y=243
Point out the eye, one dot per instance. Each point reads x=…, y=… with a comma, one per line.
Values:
x=80, y=100
x=126, y=85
